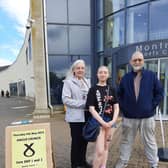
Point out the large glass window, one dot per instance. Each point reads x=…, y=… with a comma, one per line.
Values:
x=108, y=63
x=88, y=67
x=27, y=56
x=137, y=24
x=99, y=9
x=158, y=20
x=113, y=5
x=99, y=40
x=79, y=11
x=114, y=30
x=109, y=32
x=101, y=58
x=133, y=2
x=61, y=64
x=30, y=48
x=58, y=68
x=79, y=40
x=56, y=11
x=21, y=88
x=13, y=89
x=57, y=39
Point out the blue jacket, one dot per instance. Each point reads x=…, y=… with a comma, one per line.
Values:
x=150, y=95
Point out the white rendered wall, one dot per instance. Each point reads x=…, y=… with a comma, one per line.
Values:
x=20, y=70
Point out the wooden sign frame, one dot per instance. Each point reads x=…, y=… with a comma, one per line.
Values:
x=28, y=146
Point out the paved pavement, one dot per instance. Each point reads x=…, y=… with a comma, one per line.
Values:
x=13, y=109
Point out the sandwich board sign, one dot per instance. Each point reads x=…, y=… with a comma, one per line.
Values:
x=28, y=146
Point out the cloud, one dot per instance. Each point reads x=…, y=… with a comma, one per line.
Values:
x=11, y=47
x=17, y=10
x=9, y=52
x=4, y=62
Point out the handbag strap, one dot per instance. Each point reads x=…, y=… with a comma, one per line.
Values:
x=105, y=104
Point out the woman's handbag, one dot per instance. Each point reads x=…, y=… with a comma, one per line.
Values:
x=91, y=130
x=92, y=127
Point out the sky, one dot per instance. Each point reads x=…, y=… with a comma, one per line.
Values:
x=13, y=18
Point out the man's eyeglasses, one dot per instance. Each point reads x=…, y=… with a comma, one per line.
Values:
x=138, y=59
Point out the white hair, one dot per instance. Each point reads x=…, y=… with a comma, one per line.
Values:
x=70, y=73
x=137, y=53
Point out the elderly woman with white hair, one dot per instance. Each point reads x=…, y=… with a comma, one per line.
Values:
x=74, y=96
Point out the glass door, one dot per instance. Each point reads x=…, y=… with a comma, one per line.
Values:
x=151, y=65
x=164, y=81
x=160, y=66
x=121, y=71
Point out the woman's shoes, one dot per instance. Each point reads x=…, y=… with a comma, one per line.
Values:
x=88, y=165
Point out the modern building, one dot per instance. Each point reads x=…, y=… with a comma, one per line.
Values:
x=125, y=26
x=68, y=38
x=18, y=78
x=98, y=31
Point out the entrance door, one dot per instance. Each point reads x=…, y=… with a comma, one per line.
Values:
x=164, y=81
x=160, y=66
x=151, y=65
x=121, y=71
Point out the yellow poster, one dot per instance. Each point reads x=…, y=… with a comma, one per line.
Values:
x=29, y=149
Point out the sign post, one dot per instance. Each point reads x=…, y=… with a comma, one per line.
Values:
x=29, y=146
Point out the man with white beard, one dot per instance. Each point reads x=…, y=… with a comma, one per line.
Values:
x=139, y=93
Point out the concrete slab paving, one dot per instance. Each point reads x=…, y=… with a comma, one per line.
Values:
x=61, y=137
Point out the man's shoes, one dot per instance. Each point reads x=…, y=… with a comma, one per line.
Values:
x=120, y=165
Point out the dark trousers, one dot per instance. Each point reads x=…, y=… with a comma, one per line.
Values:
x=78, y=145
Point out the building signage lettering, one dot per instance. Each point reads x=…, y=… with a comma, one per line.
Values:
x=154, y=49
